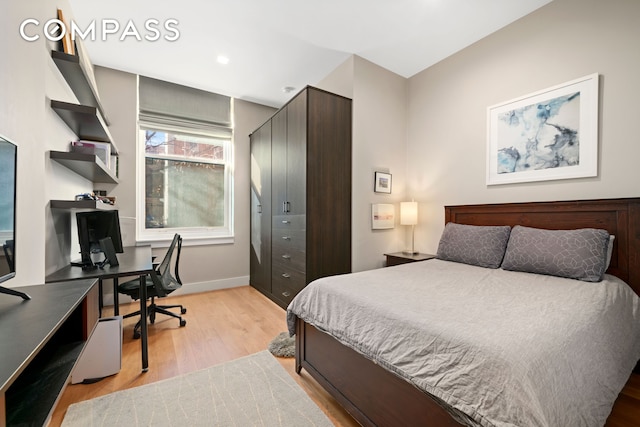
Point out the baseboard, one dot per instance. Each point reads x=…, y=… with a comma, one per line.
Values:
x=213, y=285
x=187, y=288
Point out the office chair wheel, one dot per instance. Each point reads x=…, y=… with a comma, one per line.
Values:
x=183, y=310
x=183, y=322
x=136, y=335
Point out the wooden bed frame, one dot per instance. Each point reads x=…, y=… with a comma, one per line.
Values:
x=376, y=397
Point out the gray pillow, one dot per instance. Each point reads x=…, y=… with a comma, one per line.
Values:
x=575, y=254
x=483, y=246
x=609, y=252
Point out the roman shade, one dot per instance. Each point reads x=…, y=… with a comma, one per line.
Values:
x=174, y=105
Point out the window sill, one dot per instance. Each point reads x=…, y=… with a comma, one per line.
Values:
x=165, y=241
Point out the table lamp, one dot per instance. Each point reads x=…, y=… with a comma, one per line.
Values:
x=409, y=216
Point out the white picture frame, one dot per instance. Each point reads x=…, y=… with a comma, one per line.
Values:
x=382, y=216
x=547, y=135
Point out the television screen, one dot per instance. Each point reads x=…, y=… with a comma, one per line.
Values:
x=8, y=157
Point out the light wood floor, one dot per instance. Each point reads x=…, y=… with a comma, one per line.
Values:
x=221, y=326
x=228, y=324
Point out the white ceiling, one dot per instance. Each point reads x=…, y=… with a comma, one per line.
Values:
x=278, y=43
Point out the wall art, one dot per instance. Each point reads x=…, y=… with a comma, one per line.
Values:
x=382, y=216
x=382, y=182
x=550, y=134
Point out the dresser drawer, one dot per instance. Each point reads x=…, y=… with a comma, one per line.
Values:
x=288, y=239
x=286, y=259
x=288, y=222
x=286, y=284
x=283, y=293
x=285, y=272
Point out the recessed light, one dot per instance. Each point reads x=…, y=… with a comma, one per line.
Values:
x=223, y=60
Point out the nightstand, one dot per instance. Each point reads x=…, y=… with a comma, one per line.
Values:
x=397, y=258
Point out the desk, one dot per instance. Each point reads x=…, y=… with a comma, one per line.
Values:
x=135, y=261
x=40, y=340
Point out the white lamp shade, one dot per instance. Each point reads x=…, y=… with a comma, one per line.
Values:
x=408, y=213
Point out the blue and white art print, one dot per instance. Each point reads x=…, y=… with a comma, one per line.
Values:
x=547, y=135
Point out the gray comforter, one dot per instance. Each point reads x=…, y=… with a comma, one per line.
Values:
x=500, y=348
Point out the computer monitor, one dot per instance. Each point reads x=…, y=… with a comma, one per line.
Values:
x=94, y=226
x=8, y=166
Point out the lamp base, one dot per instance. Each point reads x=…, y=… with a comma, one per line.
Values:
x=410, y=252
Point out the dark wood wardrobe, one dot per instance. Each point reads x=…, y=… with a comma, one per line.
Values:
x=301, y=194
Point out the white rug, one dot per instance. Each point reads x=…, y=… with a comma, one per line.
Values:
x=251, y=391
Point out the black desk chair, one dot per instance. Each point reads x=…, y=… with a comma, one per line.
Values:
x=159, y=285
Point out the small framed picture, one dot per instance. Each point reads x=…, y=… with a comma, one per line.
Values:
x=382, y=216
x=382, y=182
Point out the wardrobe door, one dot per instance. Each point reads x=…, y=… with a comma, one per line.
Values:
x=297, y=154
x=288, y=244
x=260, y=257
x=279, y=162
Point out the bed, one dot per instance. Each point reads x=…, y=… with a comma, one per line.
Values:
x=378, y=392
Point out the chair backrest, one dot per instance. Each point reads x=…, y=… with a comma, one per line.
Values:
x=163, y=280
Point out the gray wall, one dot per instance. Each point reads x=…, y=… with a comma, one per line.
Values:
x=22, y=105
x=203, y=267
x=28, y=81
x=430, y=130
x=562, y=41
x=379, y=144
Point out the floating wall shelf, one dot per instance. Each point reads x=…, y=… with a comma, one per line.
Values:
x=88, y=166
x=78, y=80
x=85, y=121
x=81, y=204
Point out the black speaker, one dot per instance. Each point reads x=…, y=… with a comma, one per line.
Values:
x=109, y=251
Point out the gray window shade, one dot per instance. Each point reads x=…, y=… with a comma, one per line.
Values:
x=176, y=105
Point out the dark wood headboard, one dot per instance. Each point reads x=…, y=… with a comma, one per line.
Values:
x=620, y=217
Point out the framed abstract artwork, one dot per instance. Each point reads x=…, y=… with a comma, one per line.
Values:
x=547, y=135
x=382, y=216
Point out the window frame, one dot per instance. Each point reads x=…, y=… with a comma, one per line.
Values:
x=160, y=237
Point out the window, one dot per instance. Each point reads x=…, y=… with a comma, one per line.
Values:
x=184, y=172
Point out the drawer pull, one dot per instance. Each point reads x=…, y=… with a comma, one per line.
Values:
x=286, y=256
x=286, y=237
x=284, y=221
x=286, y=275
x=286, y=294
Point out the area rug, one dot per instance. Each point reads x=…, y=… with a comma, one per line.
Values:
x=251, y=391
x=283, y=345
